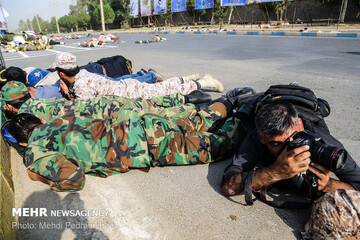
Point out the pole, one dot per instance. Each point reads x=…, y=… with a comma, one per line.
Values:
x=37, y=20
x=56, y=20
x=32, y=28
x=102, y=16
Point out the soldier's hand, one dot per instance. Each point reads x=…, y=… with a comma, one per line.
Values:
x=323, y=174
x=63, y=87
x=36, y=177
x=291, y=163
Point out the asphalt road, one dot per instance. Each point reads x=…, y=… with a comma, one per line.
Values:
x=185, y=202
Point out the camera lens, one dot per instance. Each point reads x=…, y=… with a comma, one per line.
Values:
x=338, y=159
x=332, y=158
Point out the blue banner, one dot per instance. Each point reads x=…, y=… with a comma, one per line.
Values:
x=178, y=5
x=225, y=3
x=261, y=1
x=203, y=4
x=159, y=7
x=134, y=8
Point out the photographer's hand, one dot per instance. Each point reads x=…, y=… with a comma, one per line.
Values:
x=287, y=165
x=323, y=174
x=325, y=183
x=234, y=186
x=290, y=163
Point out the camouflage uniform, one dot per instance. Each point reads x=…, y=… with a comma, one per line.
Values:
x=336, y=215
x=66, y=148
x=111, y=107
x=89, y=85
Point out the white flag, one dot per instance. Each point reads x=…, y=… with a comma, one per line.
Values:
x=6, y=14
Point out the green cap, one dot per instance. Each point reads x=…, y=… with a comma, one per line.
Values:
x=13, y=90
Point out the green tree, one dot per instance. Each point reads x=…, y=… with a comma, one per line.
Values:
x=89, y=5
x=122, y=10
x=280, y=8
x=67, y=22
x=22, y=25
x=190, y=6
x=83, y=20
x=220, y=12
x=168, y=15
x=109, y=14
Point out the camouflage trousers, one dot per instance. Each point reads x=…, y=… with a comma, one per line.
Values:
x=185, y=141
x=168, y=106
x=111, y=107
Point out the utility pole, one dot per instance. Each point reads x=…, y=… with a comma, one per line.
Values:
x=102, y=16
x=32, y=29
x=57, y=24
x=37, y=20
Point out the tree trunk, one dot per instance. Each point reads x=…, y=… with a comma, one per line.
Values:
x=77, y=27
x=285, y=11
x=358, y=15
x=230, y=14
x=212, y=16
x=343, y=12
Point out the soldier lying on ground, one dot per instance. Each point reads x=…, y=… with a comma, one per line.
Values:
x=18, y=99
x=61, y=151
x=113, y=67
x=87, y=85
x=157, y=38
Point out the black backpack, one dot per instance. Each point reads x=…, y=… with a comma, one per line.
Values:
x=116, y=66
x=312, y=110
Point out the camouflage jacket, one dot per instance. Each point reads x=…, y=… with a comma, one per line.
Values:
x=65, y=148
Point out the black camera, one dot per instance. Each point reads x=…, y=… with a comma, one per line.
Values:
x=332, y=158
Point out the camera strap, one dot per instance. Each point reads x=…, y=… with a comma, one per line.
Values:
x=248, y=187
x=314, y=187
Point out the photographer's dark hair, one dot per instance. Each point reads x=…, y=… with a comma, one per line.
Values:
x=22, y=125
x=15, y=74
x=69, y=72
x=275, y=118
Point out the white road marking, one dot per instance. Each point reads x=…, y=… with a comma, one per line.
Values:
x=23, y=54
x=52, y=50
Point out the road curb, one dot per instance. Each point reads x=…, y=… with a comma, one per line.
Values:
x=251, y=33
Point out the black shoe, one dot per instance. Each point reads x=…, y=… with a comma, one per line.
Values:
x=246, y=103
x=240, y=91
x=197, y=96
x=144, y=71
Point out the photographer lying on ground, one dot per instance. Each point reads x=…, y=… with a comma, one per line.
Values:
x=276, y=125
x=277, y=153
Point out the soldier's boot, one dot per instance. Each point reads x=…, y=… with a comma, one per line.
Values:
x=246, y=103
x=240, y=91
x=197, y=96
x=211, y=83
x=192, y=77
x=238, y=96
x=159, y=77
